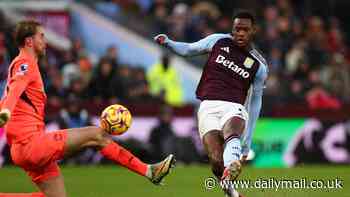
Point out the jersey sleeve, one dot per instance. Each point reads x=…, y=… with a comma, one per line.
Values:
x=254, y=107
x=196, y=48
x=20, y=75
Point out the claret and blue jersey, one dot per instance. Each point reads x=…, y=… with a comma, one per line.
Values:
x=229, y=74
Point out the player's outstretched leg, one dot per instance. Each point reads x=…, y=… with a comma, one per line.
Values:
x=213, y=142
x=97, y=137
x=154, y=172
x=232, y=130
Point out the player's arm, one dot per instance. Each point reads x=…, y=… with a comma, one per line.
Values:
x=254, y=108
x=190, y=49
x=16, y=86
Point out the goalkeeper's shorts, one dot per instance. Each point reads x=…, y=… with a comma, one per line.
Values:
x=38, y=154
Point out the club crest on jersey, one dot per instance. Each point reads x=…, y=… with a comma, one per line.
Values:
x=248, y=62
x=23, y=68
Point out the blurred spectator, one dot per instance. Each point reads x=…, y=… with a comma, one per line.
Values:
x=67, y=58
x=318, y=98
x=77, y=89
x=56, y=91
x=165, y=82
x=178, y=20
x=70, y=72
x=160, y=12
x=336, y=39
x=162, y=138
x=317, y=47
x=73, y=115
x=275, y=60
x=139, y=90
x=85, y=69
x=335, y=77
x=81, y=68
x=122, y=83
x=101, y=85
x=295, y=57
x=77, y=49
x=297, y=92
x=112, y=56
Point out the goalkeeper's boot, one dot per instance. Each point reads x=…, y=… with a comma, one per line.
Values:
x=161, y=169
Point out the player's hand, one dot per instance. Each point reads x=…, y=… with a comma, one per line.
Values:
x=161, y=39
x=4, y=116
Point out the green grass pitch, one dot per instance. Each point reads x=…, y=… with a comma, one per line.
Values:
x=111, y=181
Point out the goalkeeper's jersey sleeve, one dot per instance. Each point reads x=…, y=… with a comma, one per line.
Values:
x=24, y=96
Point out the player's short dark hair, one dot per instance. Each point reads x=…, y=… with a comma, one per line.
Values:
x=244, y=14
x=25, y=29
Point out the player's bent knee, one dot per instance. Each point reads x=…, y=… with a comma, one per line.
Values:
x=234, y=127
x=91, y=136
x=102, y=139
x=95, y=133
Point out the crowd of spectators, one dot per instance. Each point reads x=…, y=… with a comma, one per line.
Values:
x=71, y=73
x=307, y=54
x=73, y=82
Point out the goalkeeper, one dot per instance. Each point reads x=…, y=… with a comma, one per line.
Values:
x=22, y=114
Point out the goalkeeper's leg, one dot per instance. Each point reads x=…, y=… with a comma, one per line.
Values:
x=97, y=137
x=55, y=145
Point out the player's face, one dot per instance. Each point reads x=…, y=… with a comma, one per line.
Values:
x=243, y=31
x=39, y=42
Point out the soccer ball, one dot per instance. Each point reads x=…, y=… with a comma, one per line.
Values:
x=115, y=119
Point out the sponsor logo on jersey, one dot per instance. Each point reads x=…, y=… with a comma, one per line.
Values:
x=23, y=68
x=248, y=62
x=231, y=65
x=226, y=49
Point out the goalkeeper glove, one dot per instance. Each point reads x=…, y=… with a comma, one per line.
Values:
x=4, y=116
